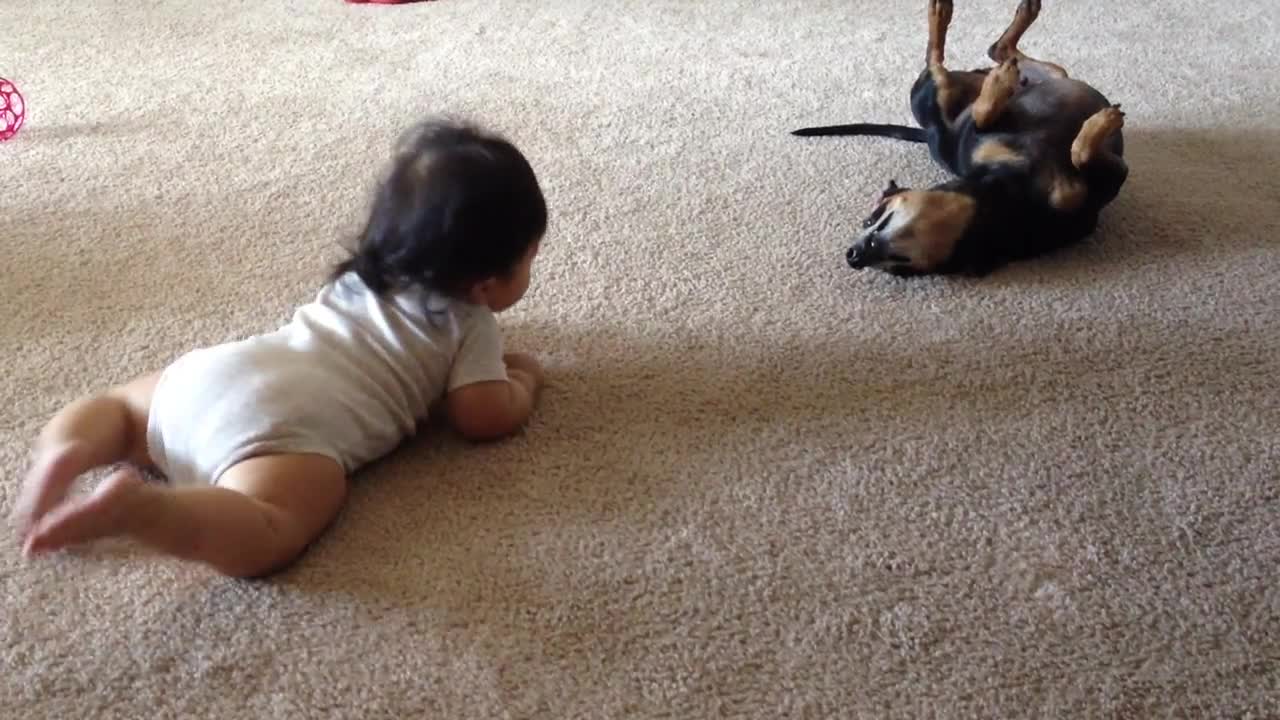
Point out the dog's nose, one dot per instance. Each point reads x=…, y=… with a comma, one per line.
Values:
x=856, y=257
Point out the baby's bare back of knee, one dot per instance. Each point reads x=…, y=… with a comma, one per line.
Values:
x=300, y=495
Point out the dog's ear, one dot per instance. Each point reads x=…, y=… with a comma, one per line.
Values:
x=891, y=190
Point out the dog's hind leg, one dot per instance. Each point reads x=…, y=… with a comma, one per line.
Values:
x=939, y=21
x=953, y=91
x=1006, y=47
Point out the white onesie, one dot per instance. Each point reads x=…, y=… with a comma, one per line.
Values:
x=350, y=376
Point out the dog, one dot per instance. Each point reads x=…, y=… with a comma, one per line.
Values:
x=1034, y=156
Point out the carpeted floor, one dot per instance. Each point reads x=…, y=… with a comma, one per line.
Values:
x=760, y=485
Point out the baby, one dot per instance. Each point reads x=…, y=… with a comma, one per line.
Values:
x=258, y=437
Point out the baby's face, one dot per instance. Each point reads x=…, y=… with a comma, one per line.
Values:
x=503, y=292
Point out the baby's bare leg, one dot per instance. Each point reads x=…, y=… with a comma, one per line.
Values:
x=262, y=514
x=88, y=433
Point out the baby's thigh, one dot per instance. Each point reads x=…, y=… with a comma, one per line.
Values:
x=136, y=396
x=306, y=489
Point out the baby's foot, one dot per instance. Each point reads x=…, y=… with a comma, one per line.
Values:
x=52, y=472
x=100, y=514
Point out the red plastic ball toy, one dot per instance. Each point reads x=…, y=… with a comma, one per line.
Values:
x=13, y=110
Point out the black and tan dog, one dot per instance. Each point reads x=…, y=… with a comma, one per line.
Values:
x=1036, y=156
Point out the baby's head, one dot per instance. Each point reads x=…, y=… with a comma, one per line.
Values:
x=460, y=212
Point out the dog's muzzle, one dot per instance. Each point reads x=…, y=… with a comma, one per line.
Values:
x=856, y=257
x=860, y=256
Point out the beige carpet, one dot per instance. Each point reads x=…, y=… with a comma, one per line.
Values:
x=761, y=485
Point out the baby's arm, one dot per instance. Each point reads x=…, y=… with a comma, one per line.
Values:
x=490, y=394
x=496, y=408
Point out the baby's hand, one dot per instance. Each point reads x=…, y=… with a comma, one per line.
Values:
x=525, y=363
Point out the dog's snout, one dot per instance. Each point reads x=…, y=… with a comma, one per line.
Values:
x=856, y=257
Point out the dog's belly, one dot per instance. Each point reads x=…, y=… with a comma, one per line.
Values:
x=1059, y=105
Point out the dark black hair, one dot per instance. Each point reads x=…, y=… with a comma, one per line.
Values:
x=459, y=205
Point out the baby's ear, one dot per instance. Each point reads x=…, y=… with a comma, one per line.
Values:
x=478, y=294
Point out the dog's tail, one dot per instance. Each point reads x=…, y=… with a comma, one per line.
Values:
x=898, y=132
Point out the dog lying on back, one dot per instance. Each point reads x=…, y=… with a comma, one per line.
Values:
x=1036, y=156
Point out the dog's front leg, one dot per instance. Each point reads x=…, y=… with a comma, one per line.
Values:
x=1104, y=171
x=997, y=89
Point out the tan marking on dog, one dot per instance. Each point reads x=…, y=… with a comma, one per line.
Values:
x=938, y=219
x=1066, y=191
x=997, y=89
x=942, y=83
x=939, y=21
x=1006, y=46
x=1093, y=133
x=994, y=152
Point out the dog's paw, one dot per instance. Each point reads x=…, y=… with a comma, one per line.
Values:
x=1007, y=77
x=1104, y=122
x=940, y=12
x=1094, y=132
x=999, y=85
